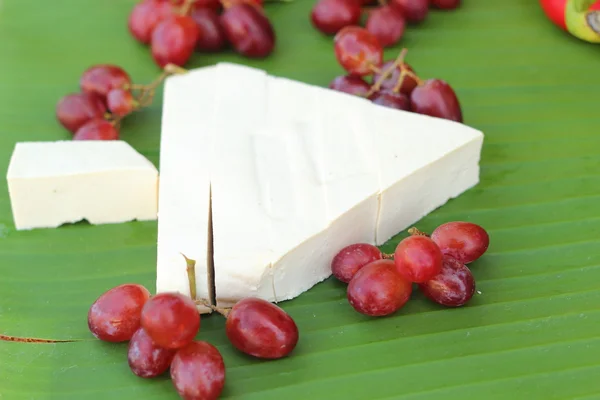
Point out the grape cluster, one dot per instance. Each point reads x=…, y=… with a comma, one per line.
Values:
x=391, y=83
x=107, y=95
x=380, y=284
x=162, y=330
x=175, y=29
x=386, y=20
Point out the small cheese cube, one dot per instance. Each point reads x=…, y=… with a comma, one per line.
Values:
x=53, y=183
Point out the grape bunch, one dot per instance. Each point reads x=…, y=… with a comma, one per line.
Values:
x=386, y=20
x=391, y=83
x=381, y=284
x=175, y=29
x=107, y=95
x=162, y=329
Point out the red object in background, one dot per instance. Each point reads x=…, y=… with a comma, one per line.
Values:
x=555, y=11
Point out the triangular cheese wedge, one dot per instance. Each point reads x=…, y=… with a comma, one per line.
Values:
x=298, y=172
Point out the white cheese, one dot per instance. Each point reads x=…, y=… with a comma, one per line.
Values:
x=297, y=172
x=54, y=183
x=423, y=162
x=187, y=130
x=241, y=226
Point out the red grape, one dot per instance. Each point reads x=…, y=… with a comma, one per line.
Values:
x=464, y=241
x=174, y=40
x=329, y=16
x=102, y=78
x=145, y=16
x=115, y=315
x=121, y=102
x=437, y=99
x=387, y=24
x=261, y=329
x=391, y=81
x=378, y=289
x=418, y=258
x=357, y=50
x=391, y=99
x=352, y=258
x=97, y=129
x=198, y=371
x=445, y=4
x=145, y=358
x=413, y=10
x=212, y=37
x=454, y=286
x=76, y=109
x=350, y=84
x=171, y=320
x=248, y=30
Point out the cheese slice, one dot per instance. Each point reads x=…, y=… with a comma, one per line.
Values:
x=188, y=127
x=54, y=183
x=241, y=226
x=423, y=163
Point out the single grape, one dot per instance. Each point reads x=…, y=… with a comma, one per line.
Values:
x=357, y=50
x=115, y=315
x=445, y=4
x=437, y=99
x=121, y=102
x=350, y=84
x=329, y=16
x=388, y=98
x=145, y=358
x=198, y=371
x=387, y=24
x=414, y=11
x=352, y=258
x=418, y=258
x=174, y=40
x=261, y=329
x=97, y=129
x=102, y=78
x=171, y=319
x=76, y=109
x=212, y=37
x=454, y=286
x=248, y=30
x=391, y=81
x=464, y=241
x=144, y=17
x=378, y=289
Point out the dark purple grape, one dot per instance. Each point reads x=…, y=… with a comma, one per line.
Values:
x=391, y=99
x=437, y=99
x=350, y=84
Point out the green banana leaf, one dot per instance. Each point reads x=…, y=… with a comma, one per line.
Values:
x=531, y=332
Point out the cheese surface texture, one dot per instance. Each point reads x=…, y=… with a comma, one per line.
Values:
x=54, y=183
x=295, y=173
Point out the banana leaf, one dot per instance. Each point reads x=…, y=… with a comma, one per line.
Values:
x=531, y=331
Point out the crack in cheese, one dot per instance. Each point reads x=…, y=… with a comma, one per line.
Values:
x=60, y=182
x=298, y=172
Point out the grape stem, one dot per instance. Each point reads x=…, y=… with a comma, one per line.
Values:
x=223, y=311
x=415, y=232
x=388, y=256
x=191, y=274
x=387, y=72
x=186, y=7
